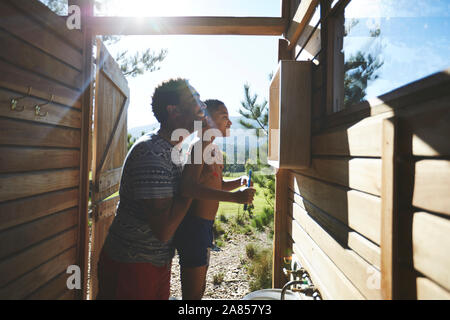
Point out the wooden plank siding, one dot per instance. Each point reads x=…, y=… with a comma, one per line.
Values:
x=356, y=209
x=431, y=247
x=375, y=196
x=340, y=232
x=356, y=269
x=432, y=185
x=41, y=63
x=337, y=201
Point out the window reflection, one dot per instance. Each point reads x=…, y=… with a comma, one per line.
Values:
x=389, y=43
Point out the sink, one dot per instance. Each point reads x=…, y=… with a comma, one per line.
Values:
x=274, y=294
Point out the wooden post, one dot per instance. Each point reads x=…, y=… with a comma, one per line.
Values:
x=280, y=244
x=283, y=52
x=389, y=210
x=87, y=10
x=281, y=192
x=286, y=14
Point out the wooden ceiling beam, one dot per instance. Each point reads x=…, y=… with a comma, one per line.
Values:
x=264, y=26
x=300, y=20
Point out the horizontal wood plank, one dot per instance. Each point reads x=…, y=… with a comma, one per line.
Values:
x=13, y=213
x=327, y=275
x=339, y=231
x=24, y=133
x=20, y=80
x=50, y=20
x=30, y=58
x=428, y=290
x=355, y=173
x=107, y=207
x=268, y=26
x=53, y=113
x=431, y=129
x=427, y=94
x=31, y=281
x=55, y=289
x=25, y=261
x=16, y=239
x=432, y=185
x=19, y=159
x=358, y=210
x=15, y=186
x=356, y=269
x=24, y=27
x=361, y=139
x=431, y=247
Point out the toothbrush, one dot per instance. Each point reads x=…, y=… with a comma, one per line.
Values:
x=248, y=184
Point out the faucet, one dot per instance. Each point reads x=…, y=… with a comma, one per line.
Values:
x=309, y=290
x=295, y=273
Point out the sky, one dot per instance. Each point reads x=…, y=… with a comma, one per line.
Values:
x=414, y=42
x=217, y=66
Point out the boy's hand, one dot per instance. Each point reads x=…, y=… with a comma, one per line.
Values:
x=245, y=195
x=244, y=181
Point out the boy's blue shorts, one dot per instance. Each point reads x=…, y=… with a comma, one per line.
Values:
x=193, y=241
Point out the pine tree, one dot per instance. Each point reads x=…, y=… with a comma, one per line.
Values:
x=254, y=111
x=256, y=116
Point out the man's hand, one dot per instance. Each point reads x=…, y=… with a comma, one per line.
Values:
x=244, y=195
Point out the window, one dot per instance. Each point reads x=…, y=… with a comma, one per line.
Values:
x=390, y=43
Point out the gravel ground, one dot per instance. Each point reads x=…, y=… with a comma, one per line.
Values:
x=227, y=261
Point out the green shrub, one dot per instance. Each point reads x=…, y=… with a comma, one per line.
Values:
x=222, y=217
x=218, y=278
x=250, y=250
x=260, y=268
x=218, y=229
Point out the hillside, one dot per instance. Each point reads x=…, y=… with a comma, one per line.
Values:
x=136, y=131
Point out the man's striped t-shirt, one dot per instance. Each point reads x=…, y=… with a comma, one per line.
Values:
x=149, y=172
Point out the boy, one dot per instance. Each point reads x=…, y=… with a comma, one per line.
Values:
x=193, y=238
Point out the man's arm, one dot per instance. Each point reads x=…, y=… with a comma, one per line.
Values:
x=166, y=215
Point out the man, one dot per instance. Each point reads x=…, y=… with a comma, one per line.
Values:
x=136, y=258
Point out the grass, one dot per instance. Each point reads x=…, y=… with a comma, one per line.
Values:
x=230, y=208
x=218, y=278
x=259, y=266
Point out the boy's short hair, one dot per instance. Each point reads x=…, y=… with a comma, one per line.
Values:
x=167, y=93
x=212, y=105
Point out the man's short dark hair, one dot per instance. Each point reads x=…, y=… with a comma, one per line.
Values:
x=166, y=94
x=212, y=105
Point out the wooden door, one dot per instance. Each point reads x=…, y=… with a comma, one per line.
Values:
x=108, y=151
x=42, y=125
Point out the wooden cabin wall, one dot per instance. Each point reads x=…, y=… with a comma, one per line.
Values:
x=370, y=225
x=40, y=154
x=369, y=219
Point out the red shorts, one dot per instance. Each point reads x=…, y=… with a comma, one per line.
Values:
x=132, y=281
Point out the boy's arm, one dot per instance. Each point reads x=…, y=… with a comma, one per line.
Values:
x=229, y=185
x=192, y=188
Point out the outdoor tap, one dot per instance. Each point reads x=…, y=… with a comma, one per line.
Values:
x=296, y=273
x=287, y=285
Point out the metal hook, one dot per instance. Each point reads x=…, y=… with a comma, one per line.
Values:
x=14, y=101
x=37, y=108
